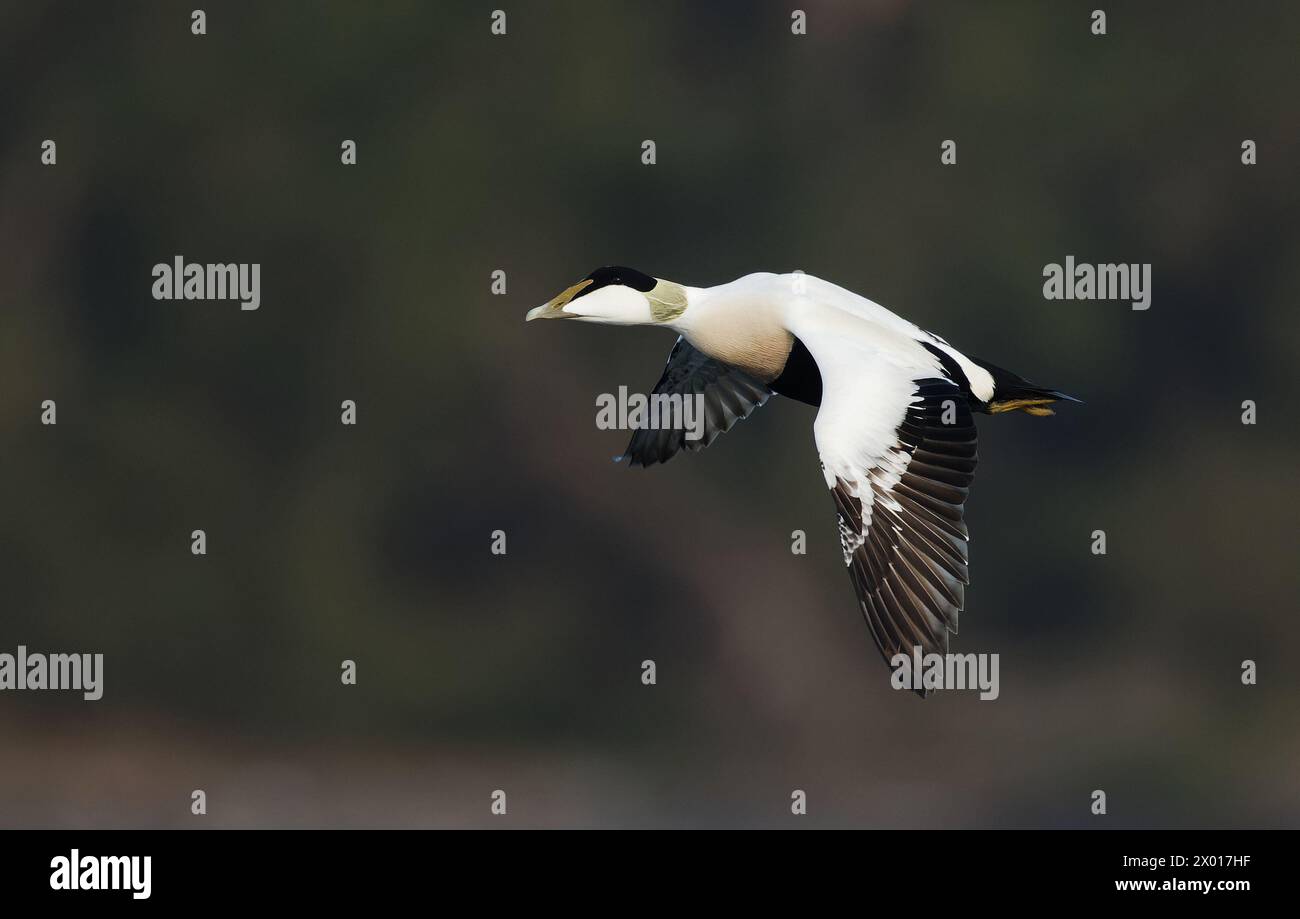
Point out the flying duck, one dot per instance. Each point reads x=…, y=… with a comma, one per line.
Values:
x=894, y=427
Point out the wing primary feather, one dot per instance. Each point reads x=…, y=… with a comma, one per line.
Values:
x=901, y=519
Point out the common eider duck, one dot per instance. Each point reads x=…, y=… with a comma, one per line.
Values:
x=894, y=427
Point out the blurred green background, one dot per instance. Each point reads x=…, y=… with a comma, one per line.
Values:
x=522, y=153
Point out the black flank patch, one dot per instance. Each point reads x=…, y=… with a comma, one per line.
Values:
x=800, y=379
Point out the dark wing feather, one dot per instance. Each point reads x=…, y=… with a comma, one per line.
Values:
x=909, y=566
x=729, y=395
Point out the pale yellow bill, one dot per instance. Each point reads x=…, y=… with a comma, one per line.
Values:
x=554, y=308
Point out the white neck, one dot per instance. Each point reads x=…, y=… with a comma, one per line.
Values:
x=741, y=323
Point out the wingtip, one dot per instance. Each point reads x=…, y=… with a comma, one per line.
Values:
x=633, y=461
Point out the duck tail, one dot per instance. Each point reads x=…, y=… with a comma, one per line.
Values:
x=1012, y=393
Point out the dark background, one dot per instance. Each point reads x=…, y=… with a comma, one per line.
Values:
x=775, y=152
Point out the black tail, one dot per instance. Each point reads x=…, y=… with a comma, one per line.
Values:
x=1012, y=392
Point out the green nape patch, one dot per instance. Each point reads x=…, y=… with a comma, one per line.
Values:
x=667, y=301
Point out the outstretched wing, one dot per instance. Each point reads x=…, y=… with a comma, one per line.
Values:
x=898, y=450
x=729, y=395
x=901, y=525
